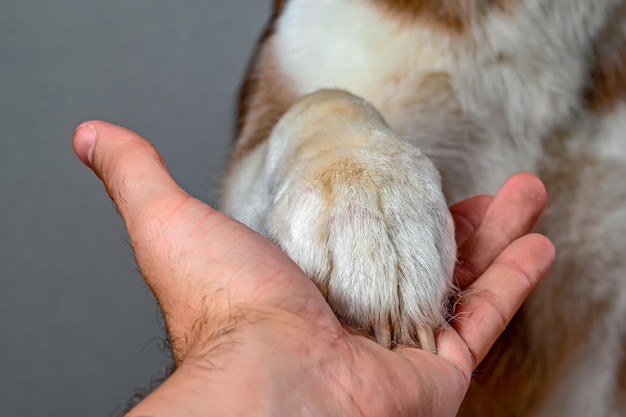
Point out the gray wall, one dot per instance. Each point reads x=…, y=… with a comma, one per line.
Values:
x=78, y=327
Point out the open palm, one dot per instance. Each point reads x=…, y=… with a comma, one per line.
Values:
x=243, y=318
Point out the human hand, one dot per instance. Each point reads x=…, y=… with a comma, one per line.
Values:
x=251, y=334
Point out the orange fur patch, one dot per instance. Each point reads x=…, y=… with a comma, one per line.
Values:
x=454, y=15
x=251, y=79
x=278, y=6
x=607, y=77
x=265, y=97
x=342, y=172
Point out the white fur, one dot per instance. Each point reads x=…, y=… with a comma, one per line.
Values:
x=512, y=88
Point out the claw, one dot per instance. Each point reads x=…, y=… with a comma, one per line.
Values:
x=382, y=331
x=426, y=337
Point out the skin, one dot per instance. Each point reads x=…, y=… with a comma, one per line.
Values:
x=251, y=334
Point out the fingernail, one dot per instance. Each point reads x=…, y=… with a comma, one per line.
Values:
x=84, y=141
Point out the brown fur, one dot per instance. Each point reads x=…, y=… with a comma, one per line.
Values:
x=622, y=376
x=607, y=85
x=265, y=97
x=261, y=80
x=344, y=171
x=278, y=6
x=454, y=15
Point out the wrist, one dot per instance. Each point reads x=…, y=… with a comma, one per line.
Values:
x=258, y=366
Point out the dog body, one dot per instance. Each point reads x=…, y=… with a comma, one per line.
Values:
x=483, y=89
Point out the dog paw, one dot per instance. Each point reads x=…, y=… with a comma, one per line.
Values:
x=363, y=214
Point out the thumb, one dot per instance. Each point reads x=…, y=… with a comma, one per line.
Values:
x=130, y=167
x=198, y=262
x=160, y=217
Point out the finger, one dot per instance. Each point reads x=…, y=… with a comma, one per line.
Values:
x=198, y=262
x=468, y=215
x=154, y=208
x=157, y=212
x=144, y=192
x=159, y=215
x=451, y=347
x=129, y=166
x=513, y=212
x=487, y=306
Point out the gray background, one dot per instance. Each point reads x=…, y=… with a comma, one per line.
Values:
x=78, y=327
